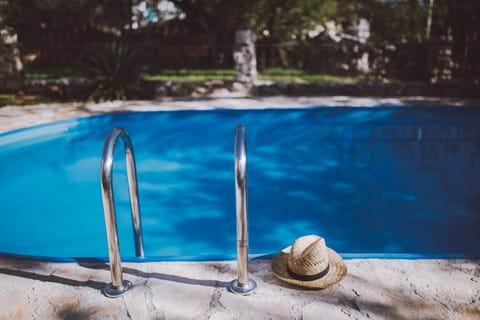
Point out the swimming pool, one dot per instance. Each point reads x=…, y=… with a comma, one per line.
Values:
x=380, y=181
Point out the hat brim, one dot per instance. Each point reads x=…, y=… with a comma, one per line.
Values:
x=336, y=272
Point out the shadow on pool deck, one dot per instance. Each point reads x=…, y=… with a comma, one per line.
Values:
x=52, y=278
x=159, y=276
x=36, y=269
x=373, y=288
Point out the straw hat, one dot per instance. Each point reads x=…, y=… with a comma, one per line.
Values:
x=309, y=263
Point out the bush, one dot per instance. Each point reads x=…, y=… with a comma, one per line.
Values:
x=113, y=69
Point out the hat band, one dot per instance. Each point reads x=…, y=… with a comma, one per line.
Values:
x=308, y=278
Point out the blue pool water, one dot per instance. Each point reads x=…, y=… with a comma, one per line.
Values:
x=382, y=181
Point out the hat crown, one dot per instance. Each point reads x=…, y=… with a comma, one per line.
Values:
x=308, y=255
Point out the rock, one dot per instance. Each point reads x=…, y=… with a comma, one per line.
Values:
x=220, y=93
x=201, y=91
x=11, y=67
x=161, y=91
x=245, y=57
x=215, y=84
x=177, y=90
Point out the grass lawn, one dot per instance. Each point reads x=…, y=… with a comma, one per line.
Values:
x=7, y=99
x=298, y=75
x=180, y=75
x=186, y=75
x=273, y=74
x=23, y=100
x=52, y=73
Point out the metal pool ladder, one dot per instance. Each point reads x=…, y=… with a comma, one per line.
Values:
x=118, y=286
x=242, y=285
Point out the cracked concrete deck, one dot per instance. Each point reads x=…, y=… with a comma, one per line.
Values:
x=372, y=289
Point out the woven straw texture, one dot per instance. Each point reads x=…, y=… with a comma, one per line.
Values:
x=336, y=272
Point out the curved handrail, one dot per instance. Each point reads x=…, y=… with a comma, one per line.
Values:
x=118, y=286
x=242, y=285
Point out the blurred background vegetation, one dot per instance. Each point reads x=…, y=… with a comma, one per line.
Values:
x=118, y=43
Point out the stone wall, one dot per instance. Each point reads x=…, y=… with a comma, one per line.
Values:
x=443, y=89
x=74, y=89
x=11, y=67
x=244, y=57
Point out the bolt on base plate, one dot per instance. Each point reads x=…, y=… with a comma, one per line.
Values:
x=234, y=287
x=115, y=292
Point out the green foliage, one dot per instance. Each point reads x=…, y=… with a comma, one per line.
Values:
x=396, y=21
x=217, y=20
x=72, y=25
x=287, y=19
x=4, y=57
x=3, y=13
x=28, y=17
x=113, y=69
x=7, y=99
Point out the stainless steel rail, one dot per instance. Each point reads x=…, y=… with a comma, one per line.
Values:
x=118, y=286
x=242, y=285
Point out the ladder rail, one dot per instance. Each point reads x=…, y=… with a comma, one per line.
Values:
x=242, y=285
x=118, y=286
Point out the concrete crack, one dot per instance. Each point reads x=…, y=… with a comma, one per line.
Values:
x=213, y=305
x=414, y=288
x=152, y=309
x=53, y=271
x=297, y=311
x=215, y=300
x=346, y=312
x=126, y=308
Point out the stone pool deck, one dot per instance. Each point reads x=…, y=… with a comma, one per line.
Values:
x=12, y=117
x=372, y=289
